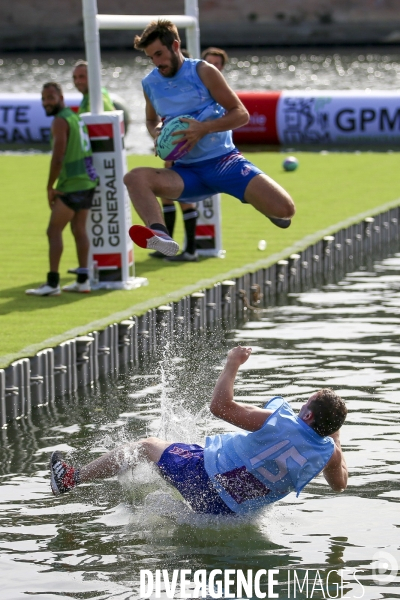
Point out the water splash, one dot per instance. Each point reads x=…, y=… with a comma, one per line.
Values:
x=179, y=421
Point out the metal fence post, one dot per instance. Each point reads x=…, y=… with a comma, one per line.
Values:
x=3, y=415
x=84, y=372
x=18, y=391
x=282, y=277
x=42, y=377
x=226, y=299
x=65, y=372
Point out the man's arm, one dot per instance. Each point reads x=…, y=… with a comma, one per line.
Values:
x=335, y=471
x=236, y=114
x=59, y=130
x=223, y=405
x=153, y=121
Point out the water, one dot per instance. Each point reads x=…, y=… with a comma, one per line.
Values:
x=376, y=68
x=93, y=542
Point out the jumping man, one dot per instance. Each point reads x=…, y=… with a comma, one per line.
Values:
x=178, y=86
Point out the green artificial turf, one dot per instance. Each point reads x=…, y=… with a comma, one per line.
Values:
x=327, y=189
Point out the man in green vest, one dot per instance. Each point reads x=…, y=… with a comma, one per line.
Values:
x=70, y=190
x=80, y=77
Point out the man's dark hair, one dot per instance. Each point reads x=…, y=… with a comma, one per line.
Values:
x=215, y=52
x=162, y=30
x=53, y=84
x=329, y=412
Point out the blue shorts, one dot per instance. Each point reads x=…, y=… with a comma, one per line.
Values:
x=229, y=174
x=182, y=465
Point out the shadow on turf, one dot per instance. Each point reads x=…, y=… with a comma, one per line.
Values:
x=15, y=299
x=152, y=265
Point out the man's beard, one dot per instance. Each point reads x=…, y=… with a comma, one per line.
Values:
x=174, y=65
x=53, y=110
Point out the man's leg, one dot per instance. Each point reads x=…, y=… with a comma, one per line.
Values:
x=78, y=228
x=270, y=199
x=144, y=185
x=65, y=477
x=82, y=243
x=61, y=215
x=117, y=460
x=190, y=214
x=169, y=213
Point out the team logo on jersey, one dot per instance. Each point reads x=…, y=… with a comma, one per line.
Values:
x=181, y=452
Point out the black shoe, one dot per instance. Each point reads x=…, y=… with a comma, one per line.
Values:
x=183, y=257
x=63, y=477
x=282, y=223
x=157, y=254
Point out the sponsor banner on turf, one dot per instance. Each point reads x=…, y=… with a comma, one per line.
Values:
x=338, y=118
x=261, y=128
x=23, y=119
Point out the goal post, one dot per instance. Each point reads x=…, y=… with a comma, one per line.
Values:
x=97, y=121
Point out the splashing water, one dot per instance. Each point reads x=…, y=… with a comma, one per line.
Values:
x=158, y=506
x=177, y=422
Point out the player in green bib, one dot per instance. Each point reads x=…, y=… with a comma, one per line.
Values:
x=70, y=190
x=80, y=77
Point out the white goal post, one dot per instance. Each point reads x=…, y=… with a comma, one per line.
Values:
x=93, y=22
x=208, y=228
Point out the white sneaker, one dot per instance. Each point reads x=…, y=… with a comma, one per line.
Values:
x=144, y=237
x=44, y=290
x=81, y=288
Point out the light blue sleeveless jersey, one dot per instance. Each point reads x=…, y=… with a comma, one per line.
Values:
x=186, y=94
x=252, y=469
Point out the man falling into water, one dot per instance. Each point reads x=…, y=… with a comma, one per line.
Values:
x=239, y=472
x=179, y=86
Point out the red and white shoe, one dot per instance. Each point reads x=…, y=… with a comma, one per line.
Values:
x=144, y=237
x=63, y=476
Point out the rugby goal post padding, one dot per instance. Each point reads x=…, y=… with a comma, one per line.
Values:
x=111, y=249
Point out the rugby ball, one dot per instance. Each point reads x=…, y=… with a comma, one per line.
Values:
x=290, y=163
x=165, y=147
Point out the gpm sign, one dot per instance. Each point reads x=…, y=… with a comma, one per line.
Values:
x=340, y=117
x=386, y=121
